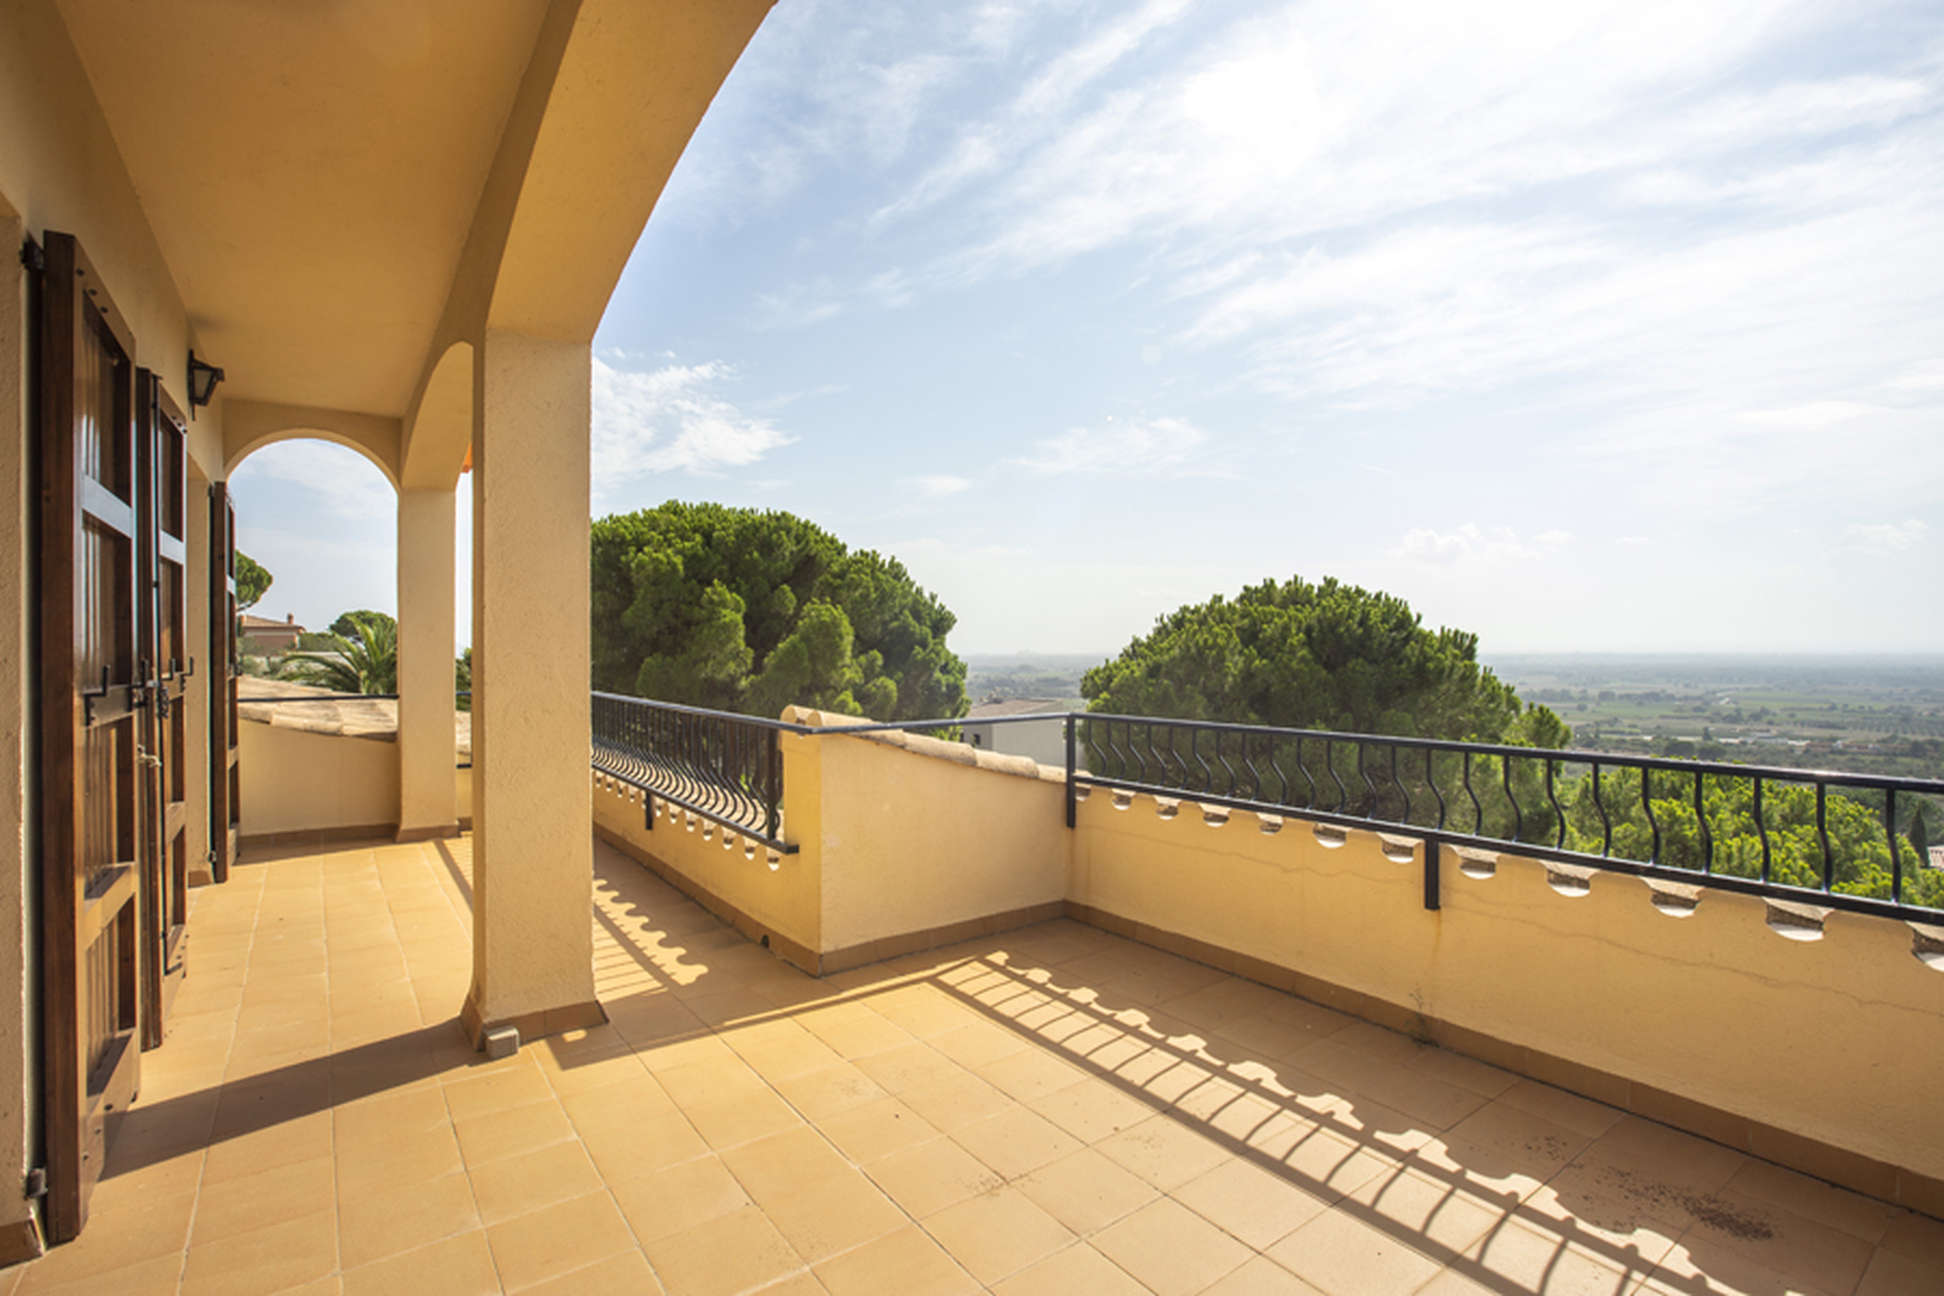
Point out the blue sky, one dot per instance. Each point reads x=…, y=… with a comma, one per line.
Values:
x=1585, y=327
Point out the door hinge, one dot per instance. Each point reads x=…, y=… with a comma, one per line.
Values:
x=32, y=256
x=36, y=1185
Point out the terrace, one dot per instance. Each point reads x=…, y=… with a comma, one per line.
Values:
x=789, y=1005
x=987, y=1089
x=1050, y=1109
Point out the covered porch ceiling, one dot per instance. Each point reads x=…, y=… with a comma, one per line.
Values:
x=310, y=171
x=345, y=188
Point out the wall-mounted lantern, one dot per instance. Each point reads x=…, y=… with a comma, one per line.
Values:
x=202, y=381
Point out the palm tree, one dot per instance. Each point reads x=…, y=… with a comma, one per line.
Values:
x=367, y=663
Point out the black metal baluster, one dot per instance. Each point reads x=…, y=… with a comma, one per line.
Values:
x=1701, y=819
x=1606, y=823
x=1896, y=848
x=1822, y=831
x=1431, y=778
x=1647, y=804
x=1511, y=799
x=1478, y=810
x=1761, y=828
x=1559, y=812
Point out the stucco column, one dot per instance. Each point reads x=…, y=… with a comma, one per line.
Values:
x=533, y=866
x=426, y=800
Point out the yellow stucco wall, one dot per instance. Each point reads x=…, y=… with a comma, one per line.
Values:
x=779, y=895
x=298, y=781
x=918, y=835
x=1839, y=1039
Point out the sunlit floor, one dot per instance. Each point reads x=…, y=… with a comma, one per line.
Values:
x=1052, y=1110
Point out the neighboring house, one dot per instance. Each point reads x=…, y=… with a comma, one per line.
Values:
x=1937, y=857
x=1043, y=740
x=265, y=637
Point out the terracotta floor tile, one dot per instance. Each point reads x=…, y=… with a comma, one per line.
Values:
x=1016, y=1142
x=830, y=1216
x=1344, y=1256
x=1163, y=1151
x=679, y=1197
x=997, y=1234
x=1087, y=1191
x=622, y=1151
x=1777, y=1239
x=1250, y=1203
x=403, y=1215
x=1432, y=1213
x=721, y=1256
x=906, y=1262
x=1170, y=1249
x=1893, y=1274
x=1092, y=1110
x=626, y=1274
x=1079, y=1268
x=620, y=1104
x=410, y=1157
x=143, y=1229
x=302, y=1139
x=876, y=1129
x=1262, y=1276
x=1860, y=1216
x=955, y=1100
x=267, y=1197
x=1522, y=1256
x=825, y=1092
x=455, y=1266
x=515, y=1185
x=780, y=1165
x=1915, y=1235
x=516, y=1130
x=158, y=1276
x=928, y=1177
x=496, y=1091
x=558, y=1239
x=844, y=1107
x=264, y=1260
x=907, y=1066
x=734, y=1121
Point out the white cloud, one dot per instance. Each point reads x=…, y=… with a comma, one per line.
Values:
x=1885, y=538
x=1153, y=447
x=672, y=419
x=345, y=484
x=1812, y=414
x=1471, y=543
x=940, y=486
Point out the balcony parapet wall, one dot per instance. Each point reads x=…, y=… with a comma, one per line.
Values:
x=1807, y=1036
x=1810, y=1037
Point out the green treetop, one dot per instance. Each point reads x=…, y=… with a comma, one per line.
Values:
x=252, y=581
x=1317, y=656
x=751, y=611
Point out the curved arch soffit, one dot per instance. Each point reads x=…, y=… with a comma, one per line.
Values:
x=310, y=434
x=438, y=441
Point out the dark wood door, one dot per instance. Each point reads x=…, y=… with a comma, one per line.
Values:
x=162, y=449
x=92, y=691
x=225, y=812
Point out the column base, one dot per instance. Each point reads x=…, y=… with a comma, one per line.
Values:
x=538, y=1024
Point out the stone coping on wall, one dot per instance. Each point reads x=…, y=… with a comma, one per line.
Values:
x=920, y=745
x=288, y=705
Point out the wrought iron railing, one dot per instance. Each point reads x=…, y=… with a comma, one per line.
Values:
x=1825, y=838
x=724, y=767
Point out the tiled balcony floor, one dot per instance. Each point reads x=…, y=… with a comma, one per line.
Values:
x=1052, y=1110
